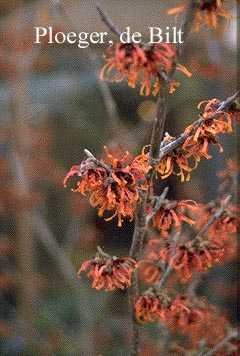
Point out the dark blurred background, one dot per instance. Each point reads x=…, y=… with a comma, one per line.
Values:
x=52, y=107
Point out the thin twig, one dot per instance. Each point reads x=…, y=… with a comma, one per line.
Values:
x=48, y=241
x=225, y=104
x=180, y=140
x=116, y=128
x=140, y=220
x=216, y=216
x=158, y=286
x=110, y=104
x=103, y=254
x=157, y=205
x=159, y=122
x=96, y=161
x=112, y=27
x=187, y=23
x=202, y=346
x=135, y=252
x=165, y=275
x=222, y=343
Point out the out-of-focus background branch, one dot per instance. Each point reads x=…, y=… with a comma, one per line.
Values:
x=52, y=107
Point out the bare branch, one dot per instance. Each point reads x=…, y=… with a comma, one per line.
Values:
x=116, y=127
x=187, y=22
x=178, y=141
x=157, y=205
x=135, y=252
x=226, y=103
x=232, y=335
x=159, y=122
x=181, y=139
x=103, y=254
x=140, y=220
x=96, y=161
x=158, y=127
x=112, y=27
x=48, y=241
x=165, y=275
x=216, y=216
x=109, y=102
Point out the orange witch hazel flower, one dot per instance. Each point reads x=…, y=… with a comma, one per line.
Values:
x=198, y=137
x=114, y=188
x=172, y=214
x=141, y=64
x=207, y=133
x=150, y=268
x=196, y=255
x=177, y=158
x=218, y=125
x=207, y=13
x=109, y=272
x=190, y=316
x=150, y=306
x=128, y=59
x=146, y=308
x=196, y=319
x=227, y=223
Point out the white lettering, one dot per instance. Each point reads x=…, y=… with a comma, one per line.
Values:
x=61, y=34
x=157, y=34
x=38, y=34
x=71, y=35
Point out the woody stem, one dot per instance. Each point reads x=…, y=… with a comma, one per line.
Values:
x=188, y=22
x=159, y=122
x=158, y=204
x=135, y=252
x=216, y=216
x=158, y=286
x=96, y=161
x=112, y=27
x=222, y=343
x=181, y=139
x=140, y=215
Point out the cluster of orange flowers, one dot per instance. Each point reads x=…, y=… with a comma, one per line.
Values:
x=109, y=272
x=177, y=158
x=172, y=214
x=199, y=137
x=136, y=63
x=192, y=317
x=114, y=188
x=196, y=255
x=192, y=256
x=207, y=13
x=216, y=244
x=150, y=268
x=150, y=306
x=196, y=319
x=227, y=223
